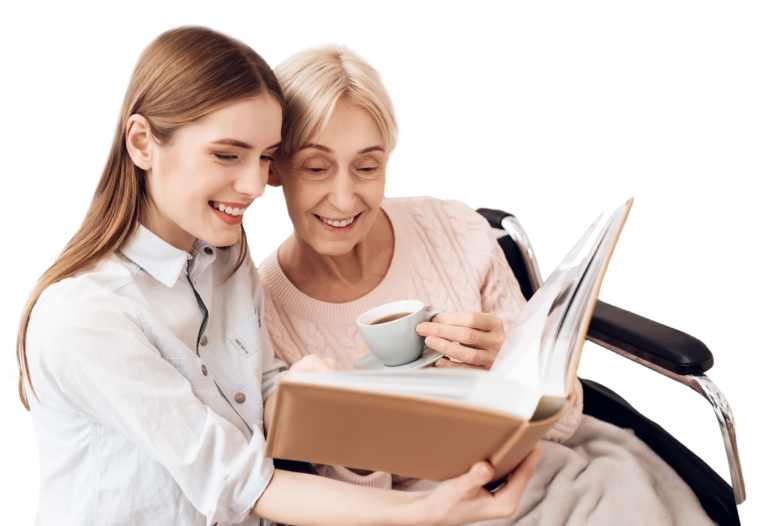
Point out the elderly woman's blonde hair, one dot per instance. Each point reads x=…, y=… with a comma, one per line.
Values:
x=314, y=80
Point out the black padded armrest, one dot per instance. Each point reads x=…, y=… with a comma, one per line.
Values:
x=663, y=346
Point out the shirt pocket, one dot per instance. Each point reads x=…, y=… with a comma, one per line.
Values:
x=245, y=337
x=192, y=367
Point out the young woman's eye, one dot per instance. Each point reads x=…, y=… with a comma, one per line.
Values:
x=225, y=156
x=267, y=158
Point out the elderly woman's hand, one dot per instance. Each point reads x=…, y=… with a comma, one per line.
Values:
x=474, y=338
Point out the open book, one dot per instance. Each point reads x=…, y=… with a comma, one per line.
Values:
x=436, y=423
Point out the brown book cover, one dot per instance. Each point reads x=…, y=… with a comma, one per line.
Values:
x=406, y=435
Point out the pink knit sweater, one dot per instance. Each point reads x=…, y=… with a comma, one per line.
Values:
x=444, y=255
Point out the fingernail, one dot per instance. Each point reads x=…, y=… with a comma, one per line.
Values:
x=422, y=329
x=483, y=471
x=430, y=341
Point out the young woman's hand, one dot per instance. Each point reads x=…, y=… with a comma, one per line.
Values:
x=313, y=363
x=464, y=500
x=474, y=338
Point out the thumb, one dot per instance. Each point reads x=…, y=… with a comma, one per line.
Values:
x=480, y=474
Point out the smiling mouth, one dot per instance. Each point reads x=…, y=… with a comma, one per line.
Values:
x=338, y=223
x=227, y=209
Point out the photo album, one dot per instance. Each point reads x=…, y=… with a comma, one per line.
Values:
x=436, y=423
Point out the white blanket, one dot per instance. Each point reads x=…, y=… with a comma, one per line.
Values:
x=603, y=476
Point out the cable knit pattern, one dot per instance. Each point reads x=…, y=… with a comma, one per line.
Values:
x=445, y=255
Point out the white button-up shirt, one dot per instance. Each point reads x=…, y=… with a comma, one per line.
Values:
x=151, y=370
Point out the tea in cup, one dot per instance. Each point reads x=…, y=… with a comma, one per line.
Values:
x=389, y=331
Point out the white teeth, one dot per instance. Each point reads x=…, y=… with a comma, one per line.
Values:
x=338, y=224
x=228, y=209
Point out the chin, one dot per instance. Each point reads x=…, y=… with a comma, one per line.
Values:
x=334, y=248
x=220, y=239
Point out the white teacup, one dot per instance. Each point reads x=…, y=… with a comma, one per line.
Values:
x=389, y=331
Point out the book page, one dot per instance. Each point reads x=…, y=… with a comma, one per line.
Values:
x=558, y=371
x=467, y=387
x=535, y=330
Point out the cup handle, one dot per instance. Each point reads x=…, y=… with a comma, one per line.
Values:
x=431, y=313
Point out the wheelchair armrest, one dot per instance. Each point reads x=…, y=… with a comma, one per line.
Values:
x=649, y=341
x=493, y=216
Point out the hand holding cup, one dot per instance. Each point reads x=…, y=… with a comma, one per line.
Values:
x=474, y=338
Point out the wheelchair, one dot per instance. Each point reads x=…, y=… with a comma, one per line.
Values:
x=662, y=349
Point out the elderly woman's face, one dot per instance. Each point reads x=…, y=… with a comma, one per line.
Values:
x=334, y=186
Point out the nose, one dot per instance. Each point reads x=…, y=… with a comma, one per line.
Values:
x=252, y=181
x=342, y=196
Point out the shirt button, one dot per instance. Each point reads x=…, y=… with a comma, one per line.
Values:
x=203, y=340
x=208, y=251
x=204, y=370
x=240, y=398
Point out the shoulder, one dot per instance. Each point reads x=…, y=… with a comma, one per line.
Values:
x=424, y=205
x=98, y=282
x=75, y=324
x=88, y=299
x=437, y=216
x=268, y=269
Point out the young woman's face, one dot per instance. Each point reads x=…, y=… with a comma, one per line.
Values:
x=334, y=186
x=203, y=182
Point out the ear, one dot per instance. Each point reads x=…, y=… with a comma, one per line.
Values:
x=273, y=177
x=140, y=142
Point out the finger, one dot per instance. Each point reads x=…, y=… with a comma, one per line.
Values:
x=461, y=352
x=474, y=480
x=475, y=320
x=447, y=363
x=473, y=338
x=510, y=494
x=481, y=473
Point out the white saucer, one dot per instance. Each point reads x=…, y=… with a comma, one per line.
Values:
x=368, y=362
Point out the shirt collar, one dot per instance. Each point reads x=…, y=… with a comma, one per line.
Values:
x=157, y=257
x=201, y=255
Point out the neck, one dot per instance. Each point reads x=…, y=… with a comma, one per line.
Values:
x=342, y=278
x=168, y=230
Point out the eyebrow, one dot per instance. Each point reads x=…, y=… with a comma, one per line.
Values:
x=328, y=150
x=241, y=144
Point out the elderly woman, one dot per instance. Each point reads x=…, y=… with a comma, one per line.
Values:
x=352, y=249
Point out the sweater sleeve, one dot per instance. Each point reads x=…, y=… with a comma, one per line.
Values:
x=501, y=296
x=374, y=479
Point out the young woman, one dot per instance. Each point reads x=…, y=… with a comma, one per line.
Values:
x=143, y=353
x=352, y=249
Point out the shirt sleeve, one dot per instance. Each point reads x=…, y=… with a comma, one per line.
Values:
x=88, y=347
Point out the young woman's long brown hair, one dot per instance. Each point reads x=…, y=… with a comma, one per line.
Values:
x=183, y=75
